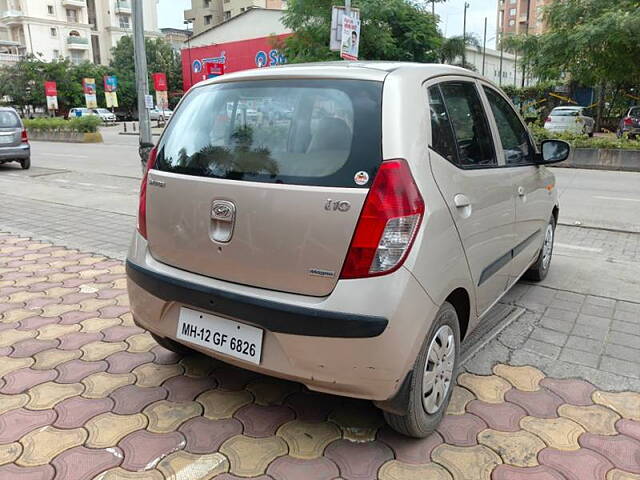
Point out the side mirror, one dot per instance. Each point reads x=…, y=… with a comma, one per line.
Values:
x=554, y=151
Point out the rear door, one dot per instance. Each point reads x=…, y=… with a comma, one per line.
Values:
x=10, y=129
x=532, y=184
x=261, y=183
x=478, y=193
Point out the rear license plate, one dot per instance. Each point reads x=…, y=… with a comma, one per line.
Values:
x=4, y=139
x=221, y=335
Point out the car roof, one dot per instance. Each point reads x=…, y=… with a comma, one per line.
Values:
x=364, y=70
x=8, y=109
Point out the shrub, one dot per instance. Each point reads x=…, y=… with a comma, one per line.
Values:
x=87, y=124
x=583, y=141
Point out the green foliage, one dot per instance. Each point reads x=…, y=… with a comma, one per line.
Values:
x=453, y=49
x=88, y=124
x=391, y=30
x=583, y=141
x=593, y=41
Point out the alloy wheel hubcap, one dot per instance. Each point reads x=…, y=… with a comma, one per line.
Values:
x=438, y=372
x=547, y=248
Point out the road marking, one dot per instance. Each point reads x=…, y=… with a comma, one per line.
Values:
x=577, y=247
x=619, y=199
x=63, y=155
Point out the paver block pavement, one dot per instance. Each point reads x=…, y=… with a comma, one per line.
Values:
x=87, y=395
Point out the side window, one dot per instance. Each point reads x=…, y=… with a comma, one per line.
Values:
x=513, y=135
x=473, y=136
x=443, y=140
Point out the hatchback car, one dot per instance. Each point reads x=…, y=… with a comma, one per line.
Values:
x=570, y=119
x=81, y=112
x=105, y=115
x=352, y=247
x=14, y=140
x=630, y=124
x=159, y=114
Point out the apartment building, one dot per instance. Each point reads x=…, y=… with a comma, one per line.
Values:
x=521, y=16
x=205, y=14
x=80, y=30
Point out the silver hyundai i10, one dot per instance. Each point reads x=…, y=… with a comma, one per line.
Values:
x=342, y=225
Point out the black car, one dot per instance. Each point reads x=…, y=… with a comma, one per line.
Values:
x=630, y=124
x=14, y=141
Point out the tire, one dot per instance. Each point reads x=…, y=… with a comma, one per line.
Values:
x=169, y=344
x=540, y=268
x=26, y=164
x=423, y=417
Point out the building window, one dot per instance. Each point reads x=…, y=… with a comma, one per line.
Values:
x=512, y=22
x=54, y=32
x=50, y=10
x=227, y=14
x=72, y=15
x=125, y=21
x=208, y=19
x=207, y=3
x=56, y=54
x=227, y=1
x=77, y=57
x=513, y=12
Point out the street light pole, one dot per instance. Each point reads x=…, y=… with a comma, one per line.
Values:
x=142, y=81
x=464, y=36
x=484, y=46
x=347, y=7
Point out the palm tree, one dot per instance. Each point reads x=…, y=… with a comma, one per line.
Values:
x=453, y=49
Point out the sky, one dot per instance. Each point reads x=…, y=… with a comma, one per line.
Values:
x=170, y=14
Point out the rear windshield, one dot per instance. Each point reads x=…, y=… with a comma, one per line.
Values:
x=9, y=120
x=635, y=113
x=305, y=132
x=565, y=113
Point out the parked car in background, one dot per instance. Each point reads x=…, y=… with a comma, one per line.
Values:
x=630, y=124
x=105, y=115
x=570, y=119
x=80, y=112
x=353, y=250
x=14, y=140
x=160, y=114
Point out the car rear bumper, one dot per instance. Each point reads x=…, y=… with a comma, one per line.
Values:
x=361, y=341
x=21, y=152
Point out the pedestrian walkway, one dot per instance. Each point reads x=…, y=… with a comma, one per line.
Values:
x=85, y=394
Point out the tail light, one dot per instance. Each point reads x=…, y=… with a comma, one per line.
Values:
x=388, y=223
x=628, y=121
x=142, y=203
x=548, y=120
x=25, y=136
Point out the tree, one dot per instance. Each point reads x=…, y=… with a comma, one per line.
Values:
x=453, y=49
x=391, y=30
x=160, y=58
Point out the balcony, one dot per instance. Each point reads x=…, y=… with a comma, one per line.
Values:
x=9, y=17
x=10, y=58
x=77, y=43
x=74, y=3
x=123, y=7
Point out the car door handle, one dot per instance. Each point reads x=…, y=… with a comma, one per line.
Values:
x=521, y=191
x=461, y=201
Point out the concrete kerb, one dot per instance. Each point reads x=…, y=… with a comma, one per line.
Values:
x=603, y=159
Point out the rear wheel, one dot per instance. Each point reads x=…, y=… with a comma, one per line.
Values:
x=26, y=164
x=540, y=268
x=433, y=378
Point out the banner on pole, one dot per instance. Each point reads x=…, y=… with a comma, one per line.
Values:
x=350, y=38
x=51, y=92
x=111, y=99
x=162, y=100
x=110, y=83
x=89, y=87
x=337, y=16
x=159, y=82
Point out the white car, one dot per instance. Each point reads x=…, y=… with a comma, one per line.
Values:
x=80, y=112
x=105, y=115
x=570, y=119
x=158, y=114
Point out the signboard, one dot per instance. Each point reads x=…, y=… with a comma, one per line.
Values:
x=159, y=82
x=111, y=99
x=214, y=69
x=89, y=87
x=110, y=83
x=162, y=99
x=148, y=102
x=51, y=92
x=350, y=38
x=337, y=14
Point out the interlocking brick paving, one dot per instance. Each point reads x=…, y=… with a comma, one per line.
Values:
x=85, y=394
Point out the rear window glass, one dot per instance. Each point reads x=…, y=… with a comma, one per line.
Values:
x=565, y=113
x=306, y=132
x=9, y=120
x=635, y=113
